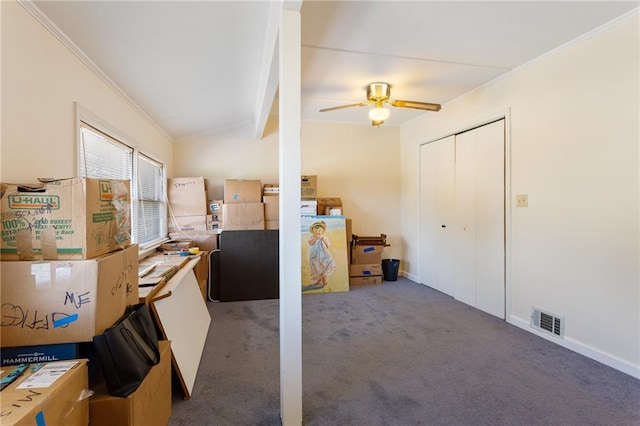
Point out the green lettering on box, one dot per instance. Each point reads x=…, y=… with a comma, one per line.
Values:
x=103, y=217
x=70, y=251
x=74, y=250
x=34, y=201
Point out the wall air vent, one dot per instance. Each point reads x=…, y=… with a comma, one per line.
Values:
x=549, y=323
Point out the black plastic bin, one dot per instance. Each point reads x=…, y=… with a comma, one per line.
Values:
x=390, y=269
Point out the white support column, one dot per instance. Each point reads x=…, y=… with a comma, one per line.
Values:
x=290, y=250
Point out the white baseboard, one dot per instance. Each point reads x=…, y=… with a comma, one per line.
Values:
x=581, y=348
x=409, y=276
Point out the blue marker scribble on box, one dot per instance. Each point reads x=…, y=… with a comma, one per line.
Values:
x=65, y=321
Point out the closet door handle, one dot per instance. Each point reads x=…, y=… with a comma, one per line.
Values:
x=444, y=226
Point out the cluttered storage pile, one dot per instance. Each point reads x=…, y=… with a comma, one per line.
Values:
x=366, y=259
x=189, y=215
x=69, y=274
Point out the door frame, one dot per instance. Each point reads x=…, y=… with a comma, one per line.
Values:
x=508, y=196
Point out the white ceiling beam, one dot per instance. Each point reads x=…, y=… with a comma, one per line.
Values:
x=268, y=78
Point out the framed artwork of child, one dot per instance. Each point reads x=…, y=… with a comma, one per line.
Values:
x=325, y=265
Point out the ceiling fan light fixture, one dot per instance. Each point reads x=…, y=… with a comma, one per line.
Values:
x=379, y=113
x=378, y=94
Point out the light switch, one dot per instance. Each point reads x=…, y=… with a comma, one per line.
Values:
x=522, y=200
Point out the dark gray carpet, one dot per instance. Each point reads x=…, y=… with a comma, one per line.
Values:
x=399, y=353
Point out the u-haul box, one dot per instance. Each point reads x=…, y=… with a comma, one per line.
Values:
x=76, y=218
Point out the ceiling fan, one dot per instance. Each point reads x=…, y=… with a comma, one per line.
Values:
x=378, y=94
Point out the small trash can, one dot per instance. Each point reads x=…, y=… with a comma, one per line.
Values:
x=390, y=269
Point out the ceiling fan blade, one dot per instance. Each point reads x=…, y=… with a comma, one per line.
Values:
x=345, y=106
x=416, y=105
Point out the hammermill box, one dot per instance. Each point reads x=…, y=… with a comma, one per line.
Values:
x=75, y=218
x=53, y=393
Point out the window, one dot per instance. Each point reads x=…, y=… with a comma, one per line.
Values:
x=149, y=200
x=105, y=157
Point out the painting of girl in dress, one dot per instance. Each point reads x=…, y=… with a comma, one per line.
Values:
x=324, y=251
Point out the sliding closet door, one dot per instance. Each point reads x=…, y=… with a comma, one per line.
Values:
x=436, y=214
x=479, y=227
x=465, y=218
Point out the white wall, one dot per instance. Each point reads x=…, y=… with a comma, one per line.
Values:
x=41, y=82
x=220, y=157
x=574, y=149
x=359, y=164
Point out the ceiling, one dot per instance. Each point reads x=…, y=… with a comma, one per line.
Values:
x=208, y=67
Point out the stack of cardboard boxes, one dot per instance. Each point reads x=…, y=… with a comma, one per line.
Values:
x=366, y=259
x=330, y=206
x=271, y=200
x=243, y=208
x=247, y=205
x=188, y=218
x=250, y=205
x=309, y=202
x=309, y=195
x=214, y=210
x=68, y=273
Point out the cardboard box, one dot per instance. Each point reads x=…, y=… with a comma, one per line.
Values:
x=308, y=187
x=242, y=191
x=73, y=218
x=45, y=353
x=201, y=269
x=270, y=189
x=187, y=223
x=330, y=206
x=205, y=241
x=375, y=240
x=366, y=254
x=215, y=207
x=366, y=269
x=271, y=207
x=55, y=394
x=271, y=224
x=187, y=196
x=243, y=216
x=195, y=223
x=150, y=404
x=309, y=207
x=49, y=302
x=214, y=221
x=374, y=279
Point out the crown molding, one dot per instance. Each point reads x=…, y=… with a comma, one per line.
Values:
x=30, y=7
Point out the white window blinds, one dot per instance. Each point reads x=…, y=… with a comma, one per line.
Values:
x=104, y=157
x=149, y=201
